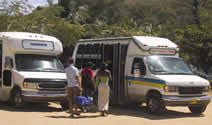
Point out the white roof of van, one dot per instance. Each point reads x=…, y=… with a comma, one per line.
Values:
x=154, y=41
x=21, y=42
x=148, y=41
x=27, y=35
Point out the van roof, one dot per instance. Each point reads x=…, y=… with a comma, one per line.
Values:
x=105, y=39
x=148, y=41
x=31, y=43
x=27, y=35
x=154, y=41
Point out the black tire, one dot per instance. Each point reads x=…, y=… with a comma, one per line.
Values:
x=64, y=105
x=155, y=105
x=16, y=99
x=197, y=109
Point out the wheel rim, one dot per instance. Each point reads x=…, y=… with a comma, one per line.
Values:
x=18, y=98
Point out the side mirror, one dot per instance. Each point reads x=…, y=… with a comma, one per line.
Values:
x=8, y=62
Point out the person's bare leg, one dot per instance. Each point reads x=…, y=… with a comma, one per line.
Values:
x=74, y=106
x=70, y=100
x=70, y=107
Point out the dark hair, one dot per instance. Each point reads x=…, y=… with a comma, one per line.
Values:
x=70, y=61
x=89, y=64
x=103, y=66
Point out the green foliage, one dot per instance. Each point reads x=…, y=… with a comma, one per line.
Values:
x=12, y=13
x=197, y=43
x=45, y=20
x=95, y=31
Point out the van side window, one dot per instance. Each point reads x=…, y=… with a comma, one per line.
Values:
x=89, y=53
x=138, y=67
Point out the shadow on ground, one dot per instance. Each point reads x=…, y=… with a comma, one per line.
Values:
x=30, y=107
x=75, y=117
x=91, y=112
x=140, y=112
x=131, y=111
x=143, y=112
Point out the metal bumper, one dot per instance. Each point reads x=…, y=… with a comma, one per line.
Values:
x=43, y=97
x=185, y=101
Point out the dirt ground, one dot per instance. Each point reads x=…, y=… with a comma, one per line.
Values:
x=53, y=115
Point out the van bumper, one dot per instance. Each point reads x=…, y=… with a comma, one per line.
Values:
x=186, y=101
x=43, y=97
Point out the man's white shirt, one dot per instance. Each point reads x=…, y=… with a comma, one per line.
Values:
x=72, y=72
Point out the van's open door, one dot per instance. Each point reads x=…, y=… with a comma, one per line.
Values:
x=118, y=68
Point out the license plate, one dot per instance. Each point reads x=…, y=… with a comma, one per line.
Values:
x=193, y=101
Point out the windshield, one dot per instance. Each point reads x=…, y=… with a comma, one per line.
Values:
x=42, y=63
x=167, y=65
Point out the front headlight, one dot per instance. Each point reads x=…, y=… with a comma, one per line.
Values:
x=30, y=85
x=170, y=89
x=206, y=89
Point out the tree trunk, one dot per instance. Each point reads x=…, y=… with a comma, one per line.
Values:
x=195, y=12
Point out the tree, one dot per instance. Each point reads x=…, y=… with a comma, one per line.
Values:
x=45, y=20
x=12, y=13
x=196, y=37
x=187, y=22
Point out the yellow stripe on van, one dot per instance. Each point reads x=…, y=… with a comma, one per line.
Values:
x=147, y=83
x=142, y=50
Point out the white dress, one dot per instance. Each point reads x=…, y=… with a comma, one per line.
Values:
x=103, y=94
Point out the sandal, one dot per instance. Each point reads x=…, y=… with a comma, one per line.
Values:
x=76, y=113
x=72, y=115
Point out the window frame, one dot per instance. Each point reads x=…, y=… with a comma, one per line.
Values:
x=141, y=67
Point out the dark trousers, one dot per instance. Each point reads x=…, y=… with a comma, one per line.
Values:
x=87, y=92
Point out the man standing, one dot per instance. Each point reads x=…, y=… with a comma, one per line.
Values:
x=74, y=85
x=87, y=80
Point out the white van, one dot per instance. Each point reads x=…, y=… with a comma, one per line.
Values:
x=146, y=69
x=30, y=68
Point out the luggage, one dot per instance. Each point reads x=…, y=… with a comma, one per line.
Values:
x=82, y=100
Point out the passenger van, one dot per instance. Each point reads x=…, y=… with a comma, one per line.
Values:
x=146, y=69
x=30, y=68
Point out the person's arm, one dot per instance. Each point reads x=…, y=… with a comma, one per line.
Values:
x=95, y=79
x=77, y=77
x=109, y=75
x=79, y=82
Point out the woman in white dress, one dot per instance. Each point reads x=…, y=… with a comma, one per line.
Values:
x=102, y=78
